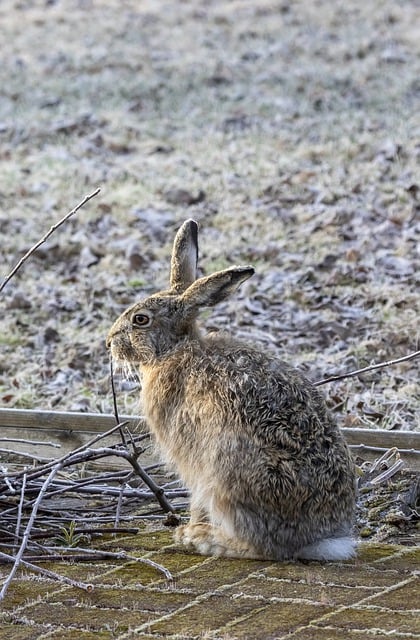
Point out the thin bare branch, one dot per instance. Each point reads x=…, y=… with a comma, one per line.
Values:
x=372, y=367
x=154, y=488
x=119, y=555
x=23, y=454
x=28, y=529
x=6, y=480
x=114, y=395
x=119, y=504
x=20, y=509
x=46, y=236
x=34, y=443
x=388, y=473
x=385, y=460
x=49, y=574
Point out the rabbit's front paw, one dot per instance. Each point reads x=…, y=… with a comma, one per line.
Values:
x=211, y=541
x=197, y=537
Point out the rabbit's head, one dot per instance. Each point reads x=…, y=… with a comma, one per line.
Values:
x=153, y=327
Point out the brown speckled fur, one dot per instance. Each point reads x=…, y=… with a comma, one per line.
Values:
x=269, y=472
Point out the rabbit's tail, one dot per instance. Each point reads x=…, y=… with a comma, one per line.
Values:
x=329, y=549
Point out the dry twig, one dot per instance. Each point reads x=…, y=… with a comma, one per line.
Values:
x=25, y=539
x=108, y=494
x=372, y=367
x=47, y=573
x=119, y=555
x=45, y=237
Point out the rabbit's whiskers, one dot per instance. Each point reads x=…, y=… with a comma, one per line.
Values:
x=124, y=374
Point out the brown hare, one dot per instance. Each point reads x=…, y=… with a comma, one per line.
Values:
x=269, y=472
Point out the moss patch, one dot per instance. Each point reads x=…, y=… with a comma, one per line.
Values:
x=275, y=619
x=19, y=631
x=406, y=597
x=311, y=572
x=82, y=571
x=177, y=561
x=210, y=614
x=80, y=615
x=22, y=592
x=132, y=573
x=139, y=573
x=374, y=619
x=316, y=633
x=216, y=573
x=407, y=560
x=79, y=634
x=265, y=588
x=152, y=540
x=373, y=551
x=235, y=598
x=156, y=601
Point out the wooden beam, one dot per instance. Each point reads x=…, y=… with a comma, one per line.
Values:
x=97, y=422
x=62, y=420
x=383, y=438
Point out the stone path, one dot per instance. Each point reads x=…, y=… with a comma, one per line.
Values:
x=375, y=596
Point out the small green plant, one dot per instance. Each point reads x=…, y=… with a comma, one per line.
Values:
x=136, y=282
x=69, y=538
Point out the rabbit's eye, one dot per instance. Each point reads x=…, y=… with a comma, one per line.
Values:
x=142, y=320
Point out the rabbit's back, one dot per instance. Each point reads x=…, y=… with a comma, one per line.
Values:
x=247, y=420
x=247, y=430
x=267, y=395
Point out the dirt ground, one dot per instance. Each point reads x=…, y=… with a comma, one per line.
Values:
x=288, y=130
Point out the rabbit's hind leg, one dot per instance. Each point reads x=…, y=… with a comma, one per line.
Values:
x=210, y=540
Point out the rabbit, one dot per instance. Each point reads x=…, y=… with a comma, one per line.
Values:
x=269, y=473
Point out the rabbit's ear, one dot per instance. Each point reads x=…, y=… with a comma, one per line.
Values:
x=184, y=257
x=208, y=291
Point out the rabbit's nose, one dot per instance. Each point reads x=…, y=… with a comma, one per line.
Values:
x=114, y=331
x=109, y=339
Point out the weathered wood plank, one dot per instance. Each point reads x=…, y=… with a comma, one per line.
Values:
x=70, y=430
x=62, y=420
x=383, y=438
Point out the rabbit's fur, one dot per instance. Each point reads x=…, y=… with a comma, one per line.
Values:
x=269, y=472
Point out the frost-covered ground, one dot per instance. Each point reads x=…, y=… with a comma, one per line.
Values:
x=288, y=130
